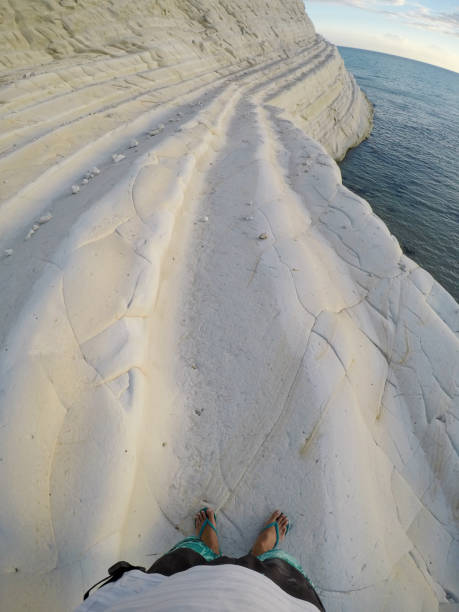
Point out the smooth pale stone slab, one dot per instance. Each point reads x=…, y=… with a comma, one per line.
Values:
x=305, y=371
x=380, y=297
x=365, y=367
x=393, y=429
x=86, y=500
x=317, y=291
x=151, y=534
x=423, y=280
x=95, y=558
x=432, y=539
x=36, y=589
x=108, y=212
x=117, y=349
x=119, y=384
x=408, y=505
x=406, y=587
x=444, y=464
x=143, y=300
x=106, y=270
x=52, y=365
x=27, y=448
x=367, y=237
x=158, y=190
x=139, y=236
x=377, y=329
x=445, y=306
x=368, y=543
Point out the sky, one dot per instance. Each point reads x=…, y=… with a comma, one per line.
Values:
x=427, y=30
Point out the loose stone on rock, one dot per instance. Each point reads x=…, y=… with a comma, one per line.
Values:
x=45, y=218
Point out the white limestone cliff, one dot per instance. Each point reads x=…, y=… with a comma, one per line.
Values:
x=156, y=353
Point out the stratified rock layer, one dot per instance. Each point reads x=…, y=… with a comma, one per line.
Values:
x=157, y=354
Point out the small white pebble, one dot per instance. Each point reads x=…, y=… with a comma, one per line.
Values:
x=118, y=157
x=204, y=219
x=8, y=252
x=248, y=218
x=35, y=226
x=45, y=218
x=95, y=171
x=85, y=181
x=157, y=130
x=262, y=236
x=30, y=233
x=75, y=188
x=133, y=143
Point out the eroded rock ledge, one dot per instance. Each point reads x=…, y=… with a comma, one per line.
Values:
x=156, y=353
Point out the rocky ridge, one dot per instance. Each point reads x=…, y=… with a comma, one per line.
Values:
x=196, y=310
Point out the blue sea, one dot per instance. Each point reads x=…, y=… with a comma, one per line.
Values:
x=408, y=169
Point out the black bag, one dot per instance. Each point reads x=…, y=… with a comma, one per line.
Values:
x=114, y=573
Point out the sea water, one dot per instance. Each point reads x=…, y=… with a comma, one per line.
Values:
x=408, y=169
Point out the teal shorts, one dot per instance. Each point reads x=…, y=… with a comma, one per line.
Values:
x=196, y=544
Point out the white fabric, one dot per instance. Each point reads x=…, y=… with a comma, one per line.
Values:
x=227, y=588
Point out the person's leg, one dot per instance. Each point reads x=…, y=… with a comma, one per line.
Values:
x=281, y=567
x=194, y=550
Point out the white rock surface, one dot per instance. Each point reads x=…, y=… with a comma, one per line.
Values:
x=149, y=363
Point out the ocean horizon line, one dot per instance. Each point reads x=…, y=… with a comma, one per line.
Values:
x=410, y=59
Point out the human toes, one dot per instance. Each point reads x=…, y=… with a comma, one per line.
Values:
x=274, y=516
x=282, y=521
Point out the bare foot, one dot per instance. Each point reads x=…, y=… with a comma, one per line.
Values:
x=267, y=537
x=208, y=536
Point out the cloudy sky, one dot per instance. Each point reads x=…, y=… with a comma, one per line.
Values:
x=427, y=30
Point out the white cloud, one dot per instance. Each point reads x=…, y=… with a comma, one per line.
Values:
x=415, y=15
x=393, y=36
x=395, y=45
x=423, y=18
x=366, y=4
x=416, y=27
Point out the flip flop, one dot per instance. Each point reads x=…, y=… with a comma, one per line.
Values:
x=276, y=527
x=206, y=522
